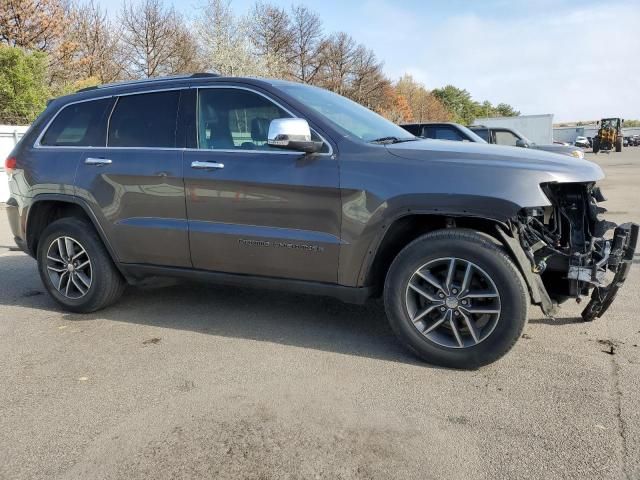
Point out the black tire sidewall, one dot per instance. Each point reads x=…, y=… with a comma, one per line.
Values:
x=513, y=300
x=100, y=262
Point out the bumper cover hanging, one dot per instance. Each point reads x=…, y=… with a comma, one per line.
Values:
x=623, y=247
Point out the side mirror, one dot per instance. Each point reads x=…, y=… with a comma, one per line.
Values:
x=292, y=134
x=521, y=143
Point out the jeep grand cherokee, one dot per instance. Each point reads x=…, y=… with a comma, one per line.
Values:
x=267, y=183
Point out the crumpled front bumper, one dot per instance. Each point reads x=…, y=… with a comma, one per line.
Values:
x=621, y=250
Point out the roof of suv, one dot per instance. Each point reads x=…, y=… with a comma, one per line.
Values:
x=162, y=82
x=431, y=123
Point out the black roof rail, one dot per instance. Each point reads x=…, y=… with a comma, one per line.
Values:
x=204, y=75
x=149, y=80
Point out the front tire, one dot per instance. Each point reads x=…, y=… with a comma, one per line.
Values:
x=596, y=145
x=456, y=299
x=619, y=145
x=76, y=268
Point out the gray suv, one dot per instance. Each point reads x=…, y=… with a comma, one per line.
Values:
x=513, y=138
x=266, y=183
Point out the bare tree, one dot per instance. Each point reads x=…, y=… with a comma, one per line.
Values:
x=338, y=63
x=32, y=24
x=306, y=55
x=186, y=57
x=224, y=41
x=271, y=36
x=369, y=82
x=150, y=36
x=94, y=41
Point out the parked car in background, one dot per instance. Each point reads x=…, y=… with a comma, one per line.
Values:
x=442, y=131
x=627, y=142
x=582, y=142
x=267, y=183
x=635, y=139
x=513, y=138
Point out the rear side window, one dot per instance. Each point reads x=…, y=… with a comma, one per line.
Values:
x=79, y=125
x=145, y=120
x=483, y=133
x=446, y=133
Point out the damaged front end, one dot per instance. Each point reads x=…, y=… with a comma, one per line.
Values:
x=572, y=251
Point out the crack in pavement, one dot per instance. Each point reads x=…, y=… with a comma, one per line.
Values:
x=622, y=424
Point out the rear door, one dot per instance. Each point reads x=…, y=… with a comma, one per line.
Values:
x=254, y=209
x=59, y=148
x=134, y=184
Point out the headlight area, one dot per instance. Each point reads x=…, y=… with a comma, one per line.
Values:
x=577, y=153
x=573, y=249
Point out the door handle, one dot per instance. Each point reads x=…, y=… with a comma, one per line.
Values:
x=97, y=161
x=206, y=165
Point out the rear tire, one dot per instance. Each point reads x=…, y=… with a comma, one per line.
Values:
x=596, y=145
x=619, y=145
x=469, y=338
x=76, y=268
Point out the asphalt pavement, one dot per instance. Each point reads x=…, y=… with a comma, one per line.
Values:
x=203, y=381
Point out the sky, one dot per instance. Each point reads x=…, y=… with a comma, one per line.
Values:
x=579, y=60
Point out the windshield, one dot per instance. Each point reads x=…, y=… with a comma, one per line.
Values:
x=348, y=115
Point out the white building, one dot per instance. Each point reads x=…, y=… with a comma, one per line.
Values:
x=9, y=136
x=537, y=128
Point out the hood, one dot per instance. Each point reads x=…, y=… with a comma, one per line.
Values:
x=563, y=149
x=543, y=166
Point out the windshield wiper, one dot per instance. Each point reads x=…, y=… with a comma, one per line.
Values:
x=389, y=140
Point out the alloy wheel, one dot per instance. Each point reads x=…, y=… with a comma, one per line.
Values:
x=453, y=302
x=69, y=267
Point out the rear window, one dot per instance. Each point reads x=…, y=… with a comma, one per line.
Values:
x=145, y=120
x=78, y=125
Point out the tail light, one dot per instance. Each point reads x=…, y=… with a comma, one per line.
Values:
x=10, y=164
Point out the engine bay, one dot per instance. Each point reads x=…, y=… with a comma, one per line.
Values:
x=573, y=249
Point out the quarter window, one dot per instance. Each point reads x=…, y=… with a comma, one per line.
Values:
x=78, y=125
x=145, y=120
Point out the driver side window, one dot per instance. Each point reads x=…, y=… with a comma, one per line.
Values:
x=235, y=119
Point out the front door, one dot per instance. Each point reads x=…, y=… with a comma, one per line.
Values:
x=254, y=209
x=135, y=184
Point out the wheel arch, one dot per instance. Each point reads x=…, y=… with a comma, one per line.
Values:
x=406, y=228
x=47, y=208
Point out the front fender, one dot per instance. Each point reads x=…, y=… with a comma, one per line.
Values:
x=364, y=228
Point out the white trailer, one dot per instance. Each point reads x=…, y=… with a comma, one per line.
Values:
x=9, y=136
x=537, y=128
x=569, y=134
